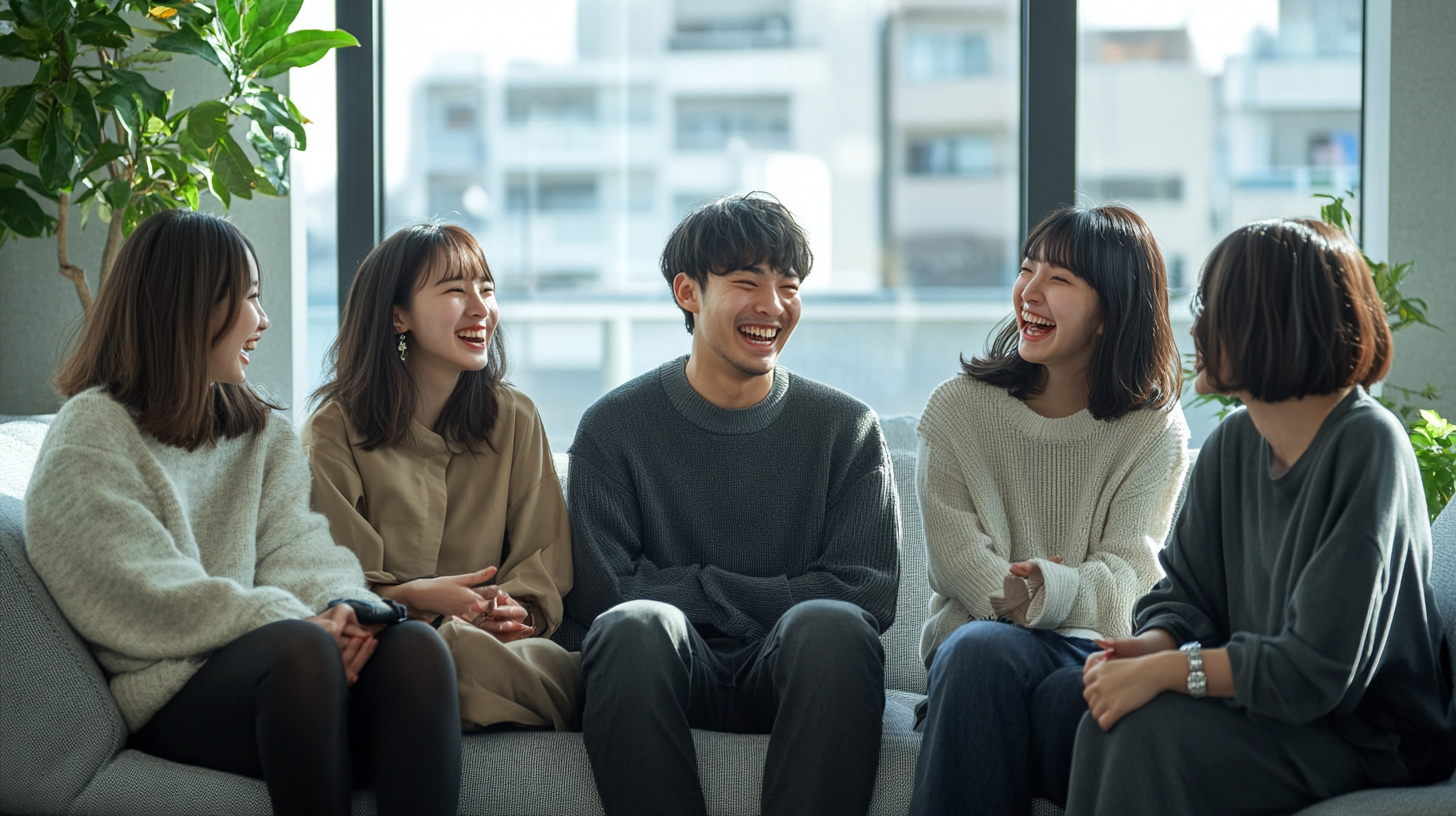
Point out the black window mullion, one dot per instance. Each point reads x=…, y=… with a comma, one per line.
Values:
x=1048, y=108
x=360, y=101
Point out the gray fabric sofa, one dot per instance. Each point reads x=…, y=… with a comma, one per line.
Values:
x=63, y=743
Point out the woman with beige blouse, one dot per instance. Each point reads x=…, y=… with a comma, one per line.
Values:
x=438, y=475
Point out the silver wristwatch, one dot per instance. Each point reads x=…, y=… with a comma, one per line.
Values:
x=1197, y=680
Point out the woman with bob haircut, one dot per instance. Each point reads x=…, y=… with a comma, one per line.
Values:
x=438, y=475
x=168, y=516
x=1298, y=574
x=1047, y=474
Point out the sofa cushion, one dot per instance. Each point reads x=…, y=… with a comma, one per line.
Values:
x=59, y=723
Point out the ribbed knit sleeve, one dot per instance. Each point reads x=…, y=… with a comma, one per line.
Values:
x=964, y=563
x=1120, y=565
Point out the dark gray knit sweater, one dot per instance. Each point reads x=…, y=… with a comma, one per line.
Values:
x=1318, y=583
x=732, y=516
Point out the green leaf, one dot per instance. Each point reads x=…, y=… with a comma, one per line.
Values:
x=154, y=100
x=83, y=111
x=273, y=151
x=188, y=192
x=268, y=20
x=53, y=14
x=187, y=41
x=295, y=50
x=270, y=109
x=228, y=22
x=57, y=155
x=118, y=193
x=20, y=213
x=14, y=45
x=207, y=122
x=29, y=180
x=231, y=170
x=19, y=110
x=104, y=31
x=105, y=154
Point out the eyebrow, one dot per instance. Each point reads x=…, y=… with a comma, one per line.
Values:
x=755, y=270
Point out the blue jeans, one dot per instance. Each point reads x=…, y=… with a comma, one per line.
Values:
x=1002, y=714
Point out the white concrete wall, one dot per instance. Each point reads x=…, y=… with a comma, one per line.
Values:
x=1421, y=173
x=40, y=316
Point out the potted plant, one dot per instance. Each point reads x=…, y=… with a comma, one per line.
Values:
x=90, y=130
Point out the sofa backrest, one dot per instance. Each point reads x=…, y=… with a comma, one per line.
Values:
x=58, y=722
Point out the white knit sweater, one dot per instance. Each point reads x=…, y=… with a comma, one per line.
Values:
x=158, y=556
x=999, y=483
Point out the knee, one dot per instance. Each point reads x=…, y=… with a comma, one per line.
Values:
x=830, y=631
x=416, y=648
x=302, y=654
x=637, y=632
x=977, y=649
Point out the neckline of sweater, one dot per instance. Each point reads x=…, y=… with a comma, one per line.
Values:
x=731, y=421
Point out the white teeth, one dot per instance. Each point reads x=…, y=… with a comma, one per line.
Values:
x=1037, y=319
x=250, y=345
x=756, y=331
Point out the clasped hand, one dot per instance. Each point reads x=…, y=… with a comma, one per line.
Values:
x=468, y=598
x=356, y=641
x=1126, y=675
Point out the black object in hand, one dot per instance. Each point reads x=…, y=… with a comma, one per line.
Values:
x=386, y=611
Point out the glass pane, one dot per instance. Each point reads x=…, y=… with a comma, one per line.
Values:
x=571, y=136
x=315, y=175
x=1204, y=115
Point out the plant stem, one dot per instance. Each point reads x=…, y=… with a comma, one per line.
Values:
x=75, y=274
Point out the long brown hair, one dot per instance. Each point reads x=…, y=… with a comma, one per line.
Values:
x=1286, y=309
x=1136, y=363
x=366, y=376
x=147, y=339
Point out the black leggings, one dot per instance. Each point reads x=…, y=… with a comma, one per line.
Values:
x=274, y=705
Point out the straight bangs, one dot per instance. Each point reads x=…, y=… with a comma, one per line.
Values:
x=456, y=256
x=364, y=372
x=178, y=284
x=1135, y=364
x=1287, y=308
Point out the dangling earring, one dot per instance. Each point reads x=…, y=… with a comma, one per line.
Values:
x=402, y=347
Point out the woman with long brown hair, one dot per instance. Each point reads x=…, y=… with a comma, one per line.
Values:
x=168, y=517
x=438, y=475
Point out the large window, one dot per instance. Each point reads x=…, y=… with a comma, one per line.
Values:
x=571, y=136
x=1204, y=115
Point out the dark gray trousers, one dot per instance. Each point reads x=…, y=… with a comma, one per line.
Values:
x=816, y=684
x=1193, y=757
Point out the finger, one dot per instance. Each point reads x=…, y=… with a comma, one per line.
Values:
x=362, y=655
x=478, y=577
x=1056, y=559
x=511, y=613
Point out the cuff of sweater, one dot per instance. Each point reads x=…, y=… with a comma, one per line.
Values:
x=1051, y=602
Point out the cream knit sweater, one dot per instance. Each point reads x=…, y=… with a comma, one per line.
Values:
x=158, y=556
x=999, y=483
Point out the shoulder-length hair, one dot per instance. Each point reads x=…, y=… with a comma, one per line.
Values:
x=178, y=284
x=1287, y=308
x=365, y=374
x=1136, y=363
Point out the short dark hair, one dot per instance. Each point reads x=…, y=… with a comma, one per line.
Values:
x=147, y=338
x=734, y=232
x=1286, y=308
x=366, y=376
x=1136, y=363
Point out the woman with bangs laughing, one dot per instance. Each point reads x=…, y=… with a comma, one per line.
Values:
x=438, y=475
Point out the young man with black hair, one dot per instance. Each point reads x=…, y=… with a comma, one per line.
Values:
x=735, y=531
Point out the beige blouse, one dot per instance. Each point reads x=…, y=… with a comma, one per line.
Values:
x=427, y=507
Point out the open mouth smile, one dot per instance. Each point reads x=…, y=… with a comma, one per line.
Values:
x=760, y=337
x=474, y=337
x=247, y=347
x=1034, y=327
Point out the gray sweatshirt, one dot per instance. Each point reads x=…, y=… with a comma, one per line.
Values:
x=1318, y=584
x=731, y=516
